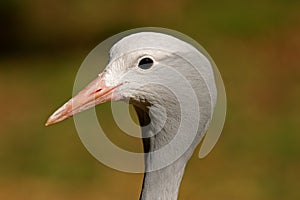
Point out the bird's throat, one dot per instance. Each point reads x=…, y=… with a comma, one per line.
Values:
x=162, y=183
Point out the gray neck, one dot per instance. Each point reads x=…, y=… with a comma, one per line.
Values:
x=162, y=184
x=161, y=121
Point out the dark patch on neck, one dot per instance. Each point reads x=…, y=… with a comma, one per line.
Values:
x=142, y=110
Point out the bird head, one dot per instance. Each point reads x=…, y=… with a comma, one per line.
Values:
x=141, y=69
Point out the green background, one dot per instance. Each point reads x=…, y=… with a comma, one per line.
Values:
x=255, y=44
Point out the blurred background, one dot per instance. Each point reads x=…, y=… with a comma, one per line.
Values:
x=255, y=44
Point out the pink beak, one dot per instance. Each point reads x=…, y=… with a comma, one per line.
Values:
x=94, y=93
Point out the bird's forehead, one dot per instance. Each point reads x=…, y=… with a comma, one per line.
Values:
x=144, y=41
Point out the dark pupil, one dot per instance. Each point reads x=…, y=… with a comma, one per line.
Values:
x=145, y=63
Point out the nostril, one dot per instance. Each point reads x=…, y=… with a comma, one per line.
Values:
x=96, y=91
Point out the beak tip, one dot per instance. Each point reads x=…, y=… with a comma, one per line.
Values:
x=58, y=115
x=53, y=119
x=49, y=122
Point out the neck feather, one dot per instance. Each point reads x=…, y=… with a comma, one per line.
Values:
x=162, y=184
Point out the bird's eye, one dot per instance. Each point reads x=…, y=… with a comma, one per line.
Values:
x=145, y=63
